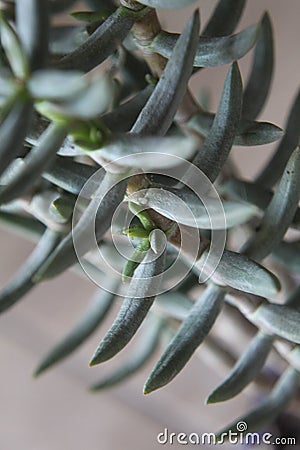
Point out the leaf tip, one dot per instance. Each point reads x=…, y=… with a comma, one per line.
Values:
x=93, y=362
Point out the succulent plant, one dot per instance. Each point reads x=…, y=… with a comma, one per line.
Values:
x=124, y=161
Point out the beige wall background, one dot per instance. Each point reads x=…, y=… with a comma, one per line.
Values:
x=56, y=412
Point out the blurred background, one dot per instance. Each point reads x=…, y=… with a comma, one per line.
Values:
x=56, y=411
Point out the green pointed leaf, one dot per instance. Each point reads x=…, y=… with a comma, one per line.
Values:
x=91, y=226
x=22, y=281
x=146, y=347
x=211, y=51
x=279, y=214
x=242, y=273
x=13, y=129
x=282, y=393
x=145, y=151
x=135, y=259
x=245, y=370
x=91, y=16
x=63, y=206
x=142, y=215
x=40, y=207
x=32, y=19
x=279, y=320
x=225, y=18
x=217, y=145
x=70, y=175
x=258, y=86
x=101, y=43
x=37, y=160
x=140, y=297
x=95, y=313
x=136, y=232
x=190, y=335
x=157, y=115
x=248, y=133
x=13, y=49
x=275, y=167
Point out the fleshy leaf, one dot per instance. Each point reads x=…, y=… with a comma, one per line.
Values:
x=56, y=85
x=101, y=43
x=32, y=19
x=188, y=209
x=146, y=151
x=258, y=86
x=225, y=18
x=279, y=320
x=279, y=214
x=245, y=370
x=213, y=154
x=190, y=335
x=211, y=51
x=140, y=297
x=69, y=174
x=90, y=16
x=40, y=207
x=158, y=241
x=37, y=160
x=65, y=39
x=248, y=133
x=145, y=348
x=288, y=254
x=13, y=49
x=275, y=167
x=254, y=193
x=94, y=100
x=13, y=130
x=167, y=3
x=135, y=259
x=282, y=393
x=242, y=273
x=92, y=225
x=157, y=115
x=122, y=118
x=91, y=319
x=22, y=281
